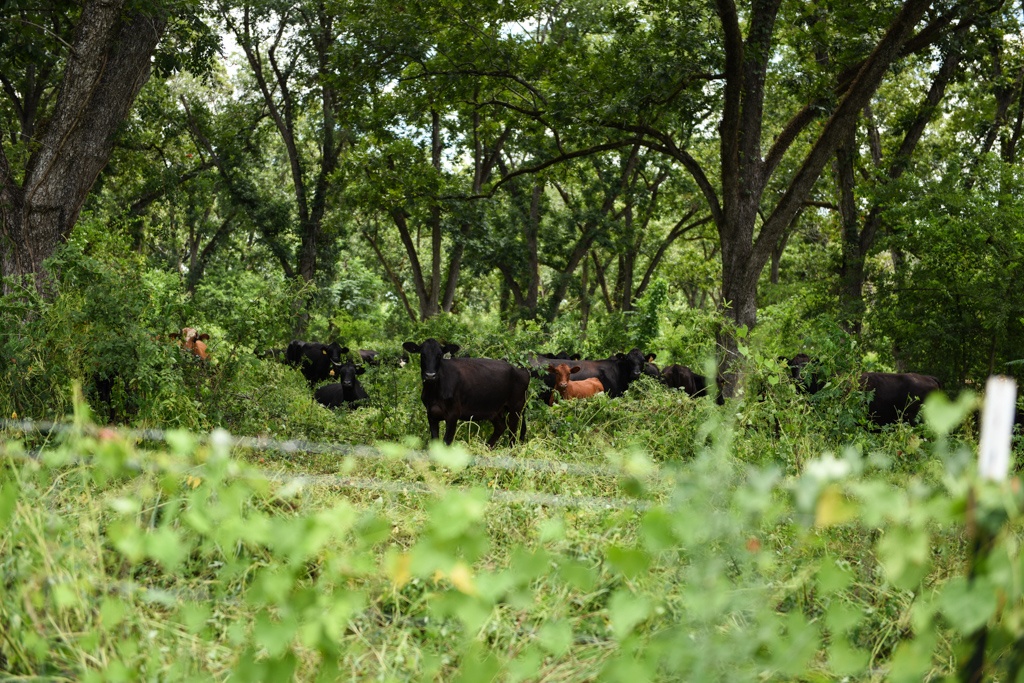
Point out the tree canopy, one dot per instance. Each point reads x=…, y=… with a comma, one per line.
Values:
x=542, y=162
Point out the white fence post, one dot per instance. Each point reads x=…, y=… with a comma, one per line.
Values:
x=997, y=428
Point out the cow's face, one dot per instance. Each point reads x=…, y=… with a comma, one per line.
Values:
x=348, y=373
x=804, y=376
x=561, y=373
x=191, y=340
x=431, y=354
x=634, y=361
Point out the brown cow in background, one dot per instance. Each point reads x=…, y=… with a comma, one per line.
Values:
x=192, y=341
x=567, y=388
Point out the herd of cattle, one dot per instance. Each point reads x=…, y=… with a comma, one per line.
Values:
x=460, y=388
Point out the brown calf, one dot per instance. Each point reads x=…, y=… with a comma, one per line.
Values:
x=192, y=341
x=584, y=388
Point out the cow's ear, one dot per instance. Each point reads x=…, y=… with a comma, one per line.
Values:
x=360, y=370
x=343, y=349
x=203, y=337
x=651, y=357
x=174, y=335
x=451, y=348
x=574, y=370
x=411, y=347
x=551, y=368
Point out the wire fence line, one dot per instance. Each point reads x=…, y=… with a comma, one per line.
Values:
x=505, y=463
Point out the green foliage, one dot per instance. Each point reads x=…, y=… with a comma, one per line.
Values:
x=963, y=266
x=644, y=325
x=690, y=336
x=198, y=560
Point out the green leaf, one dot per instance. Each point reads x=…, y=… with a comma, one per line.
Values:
x=555, y=637
x=968, y=605
x=799, y=644
x=905, y=555
x=629, y=561
x=846, y=660
x=626, y=610
x=911, y=660
x=454, y=457
x=112, y=612
x=832, y=578
x=164, y=546
x=942, y=415
x=8, y=501
x=274, y=635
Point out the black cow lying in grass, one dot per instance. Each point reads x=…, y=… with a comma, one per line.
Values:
x=347, y=391
x=470, y=389
x=677, y=376
x=317, y=361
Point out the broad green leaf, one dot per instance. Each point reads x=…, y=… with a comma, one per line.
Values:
x=831, y=577
x=555, y=636
x=942, y=415
x=968, y=605
x=846, y=660
x=626, y=610
x=905, y=555
x=631, y=562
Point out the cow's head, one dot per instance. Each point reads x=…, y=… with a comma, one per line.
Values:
x=431, y=353
x=334, y=351
x=806, y=372
x=561, y=373
x=348, y=372
x=191, y=340
x=634, y=362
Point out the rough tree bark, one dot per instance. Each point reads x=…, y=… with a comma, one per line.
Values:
x=108, y=64
x=745, y=170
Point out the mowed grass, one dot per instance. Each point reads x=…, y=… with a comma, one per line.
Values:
x=683, y=552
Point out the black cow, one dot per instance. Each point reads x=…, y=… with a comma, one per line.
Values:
x=896, y=395
x=561, y=355
x=369, y=356
x=348, y=390
x=681, y=377
x=652, y=370
x=317, y=361
x=806, y=373
x=470, y=389
x=616, y=372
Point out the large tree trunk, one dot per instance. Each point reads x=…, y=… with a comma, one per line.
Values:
x=745, y=171
x=851, y=269
x=108, y=65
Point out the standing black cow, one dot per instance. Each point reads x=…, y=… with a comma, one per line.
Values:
x=317, y=361
x=470, y=389
x=896, y=395
x=347, y=390
x=616, y=372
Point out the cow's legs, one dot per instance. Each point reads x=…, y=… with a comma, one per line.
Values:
x=435, y=429
x=512, y=420
x=500, y=424
x=449, y=431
